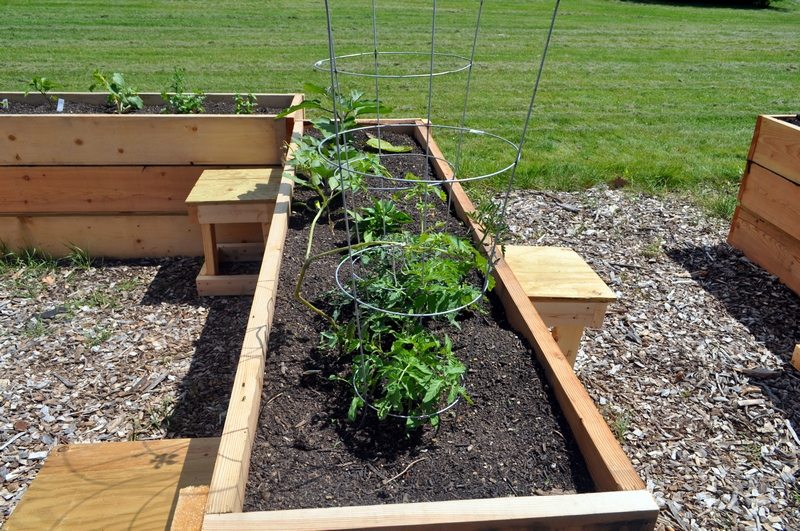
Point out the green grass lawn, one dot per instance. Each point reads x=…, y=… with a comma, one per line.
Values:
x=660, y=94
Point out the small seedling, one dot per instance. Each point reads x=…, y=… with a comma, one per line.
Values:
x=4, y=104
x=35, y=328
x=123, y=97
x=652, y=249
x=245, y=104
x=43, y=86
x=177, y=100
x=97, y=336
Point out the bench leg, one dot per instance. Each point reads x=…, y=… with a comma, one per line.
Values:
x=209, y=233
x=568, y=338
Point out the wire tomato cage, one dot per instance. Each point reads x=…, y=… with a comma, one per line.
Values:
x=406, y=60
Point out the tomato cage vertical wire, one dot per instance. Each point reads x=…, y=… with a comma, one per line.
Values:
x=335, y=149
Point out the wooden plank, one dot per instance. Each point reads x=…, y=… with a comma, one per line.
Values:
x=235, y=213
x=796, y=357
x=767, y=246
x=240, y=252
x=124, y=485
x=116, y=236
x=277, y=101
x=189, y=509
x=227, y=490
x=91, y=189
x=632, y=510
x=608, y=465
x=556, y=273
x=224, y=285
x=772, y=198
x=141, y=139
x=236, y=185
x=777, y=147
x=556, y=312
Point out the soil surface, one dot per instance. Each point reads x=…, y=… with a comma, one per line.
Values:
x=71, y=107
x=513, y=441
x=793, y=120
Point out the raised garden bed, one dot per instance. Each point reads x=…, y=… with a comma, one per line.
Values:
x=115, y=185
x=766, y=224
x=619, y=500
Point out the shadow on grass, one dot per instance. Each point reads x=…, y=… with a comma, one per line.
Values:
x=769, y=310
x=204, y=392
x=742, y=4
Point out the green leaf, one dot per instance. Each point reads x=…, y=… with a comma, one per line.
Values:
x=384, y=145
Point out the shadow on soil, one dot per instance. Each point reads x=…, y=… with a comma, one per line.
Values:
x=770, y=310
x=203, y=394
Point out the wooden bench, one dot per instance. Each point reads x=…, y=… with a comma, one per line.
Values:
x=119, y=485
x=564, y=289
x=232, y=196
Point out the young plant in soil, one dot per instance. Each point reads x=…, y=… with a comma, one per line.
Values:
x=43, y=86
x=399, y=367
x=244, y=104
x=177, y=100
x=122, y=96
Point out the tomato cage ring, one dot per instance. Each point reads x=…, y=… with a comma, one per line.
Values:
x=356, y=257
x=348, y=64
x=333, y=144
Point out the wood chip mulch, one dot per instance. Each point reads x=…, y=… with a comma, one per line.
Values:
x=690, y=368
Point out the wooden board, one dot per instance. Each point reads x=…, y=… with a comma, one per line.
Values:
x=556, y=273
x=236, y=186
x=275, y=101
x=767, y=246
x=91, y=189
x=141, y=139
x=772, y=198
x=125, y=485
x=610, y=511
x=796, y=357
x=116, y=236
x=776, y=146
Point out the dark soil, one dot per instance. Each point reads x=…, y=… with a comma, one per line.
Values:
x=793, y=120
x=513, y=441
x=71, y=107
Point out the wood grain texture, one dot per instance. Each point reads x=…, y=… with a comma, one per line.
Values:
x=796, y=357
x=91, y=189
x=608, y=465
x=127, y=485
x=776, y=146
x=617, y=511
x=116, y=236
x=766, y=245
x=556, y=273
x=236, y=186
x=101, y=139
x=772, y=198
x=227, y=491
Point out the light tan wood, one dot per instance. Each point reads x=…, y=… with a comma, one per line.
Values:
x=568, y=338
x=796, y=357
x=556, y=273
x=632, y=510
x=229, y=480
x=772, y=198
x=767, y=246
x=608, y=465
x=202, y=139
x=209, y=234
x=235, y=213
x=556, y=312
x=236, y=185
x=116, y=236
x=776, y=146
x=224, y=285
x=190, y=508
x=128, y=485
x=89, y=189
